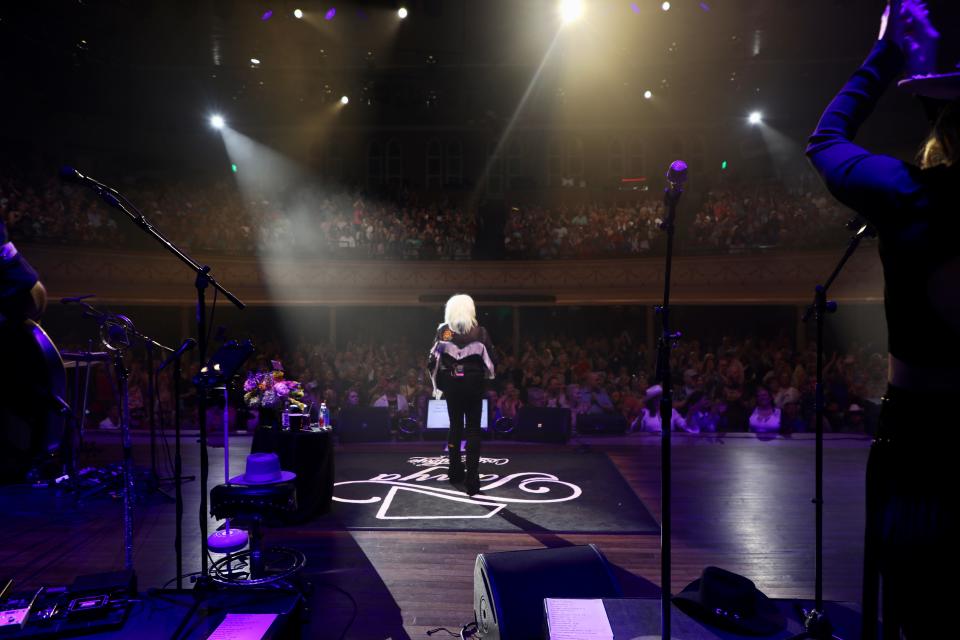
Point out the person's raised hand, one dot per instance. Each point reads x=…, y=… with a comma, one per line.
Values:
x=907, y=24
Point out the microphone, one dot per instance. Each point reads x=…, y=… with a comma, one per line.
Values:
x=188, y=344
x=676, y=176
x=70, y=174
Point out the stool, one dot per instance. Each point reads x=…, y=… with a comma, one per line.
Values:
x=253, y=504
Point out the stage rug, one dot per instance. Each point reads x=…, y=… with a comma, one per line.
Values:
x=576, y=492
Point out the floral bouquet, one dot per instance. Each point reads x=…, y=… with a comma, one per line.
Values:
x=269, y=390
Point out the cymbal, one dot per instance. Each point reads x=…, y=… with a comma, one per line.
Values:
x=85, y=356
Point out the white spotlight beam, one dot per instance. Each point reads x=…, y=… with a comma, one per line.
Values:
x=570, y=10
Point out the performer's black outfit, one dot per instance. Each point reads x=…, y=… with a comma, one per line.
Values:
x=911, y=524
x=460, y=365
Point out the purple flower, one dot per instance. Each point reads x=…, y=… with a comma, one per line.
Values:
x=282, y=389
x=250, y=384
x=269, y=399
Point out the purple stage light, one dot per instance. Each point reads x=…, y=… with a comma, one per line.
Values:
x=634, y=7
x=329, y=15
x=267, y=15
x=705, y=6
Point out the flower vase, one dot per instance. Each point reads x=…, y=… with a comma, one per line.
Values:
x=269, y=418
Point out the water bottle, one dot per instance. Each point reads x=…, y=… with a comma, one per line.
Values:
x=285, y=419
x=325, y=415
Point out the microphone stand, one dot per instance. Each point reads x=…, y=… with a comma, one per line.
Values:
x=816, y=623
x=676, y=176
x=177, y=359
x=203, y=280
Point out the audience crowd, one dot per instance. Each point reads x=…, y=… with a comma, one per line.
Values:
x=762, y=386
x=311, y=220
x=224, y=218
x=733, y=220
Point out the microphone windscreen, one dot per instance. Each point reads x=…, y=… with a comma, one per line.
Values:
x=70, y=174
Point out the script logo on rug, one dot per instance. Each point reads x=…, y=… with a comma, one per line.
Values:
x=430, y=479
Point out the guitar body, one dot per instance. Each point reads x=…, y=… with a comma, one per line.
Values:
x=33, y=385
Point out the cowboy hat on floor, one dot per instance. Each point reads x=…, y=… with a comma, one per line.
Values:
x=731, y=602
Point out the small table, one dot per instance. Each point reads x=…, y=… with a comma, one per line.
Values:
x=309, y=454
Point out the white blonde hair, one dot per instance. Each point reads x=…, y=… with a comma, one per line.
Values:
x=460, y=313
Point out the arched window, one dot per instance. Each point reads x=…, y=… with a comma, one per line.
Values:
x=514, y=163
x=375, y=164
x=495, y=173
x=616, y=159
x=637, y=164
x=434, y=176
x=573, y=162
x=394, y=174
x=555, y=163
x=453, y=175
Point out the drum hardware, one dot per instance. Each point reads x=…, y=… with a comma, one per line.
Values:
x=118, y=334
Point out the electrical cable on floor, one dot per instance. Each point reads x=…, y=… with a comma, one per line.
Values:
x=463, y=635
x=353, y=602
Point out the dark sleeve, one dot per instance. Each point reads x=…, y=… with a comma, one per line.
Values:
x=875, y=186
x=17, y=277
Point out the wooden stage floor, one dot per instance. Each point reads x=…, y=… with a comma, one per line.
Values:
x=739, y=503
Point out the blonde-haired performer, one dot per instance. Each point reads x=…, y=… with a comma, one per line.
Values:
x=461, y=361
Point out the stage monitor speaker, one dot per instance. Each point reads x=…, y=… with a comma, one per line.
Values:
x=608, y=423
x=542, y=424
x=363, y=424
x=509, y=587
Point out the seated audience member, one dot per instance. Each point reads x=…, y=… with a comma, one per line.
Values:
x=396, y=402
x=765, y=417
x=536, y=397
x=734, y=416
x=791, y=419
x=493, y=402
x=701, y=416
x=593, y=397
x=649, y=420
x=556, y=396
x=112, y=421
x=691, y=384
x=854, y=422
x=509, y=402
x=784, y=390
x=353, y=398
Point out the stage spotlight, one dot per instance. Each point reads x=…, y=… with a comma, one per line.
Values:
x=402, y=13
x=665, y=6
x=570, y=10
x=344, y=100
x=298, y=14
x=330, y=14
x=254, y=61
x=648, y=94
x=216, y=121
x=755, y=118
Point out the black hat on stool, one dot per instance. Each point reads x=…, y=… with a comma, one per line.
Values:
x=730, y=601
